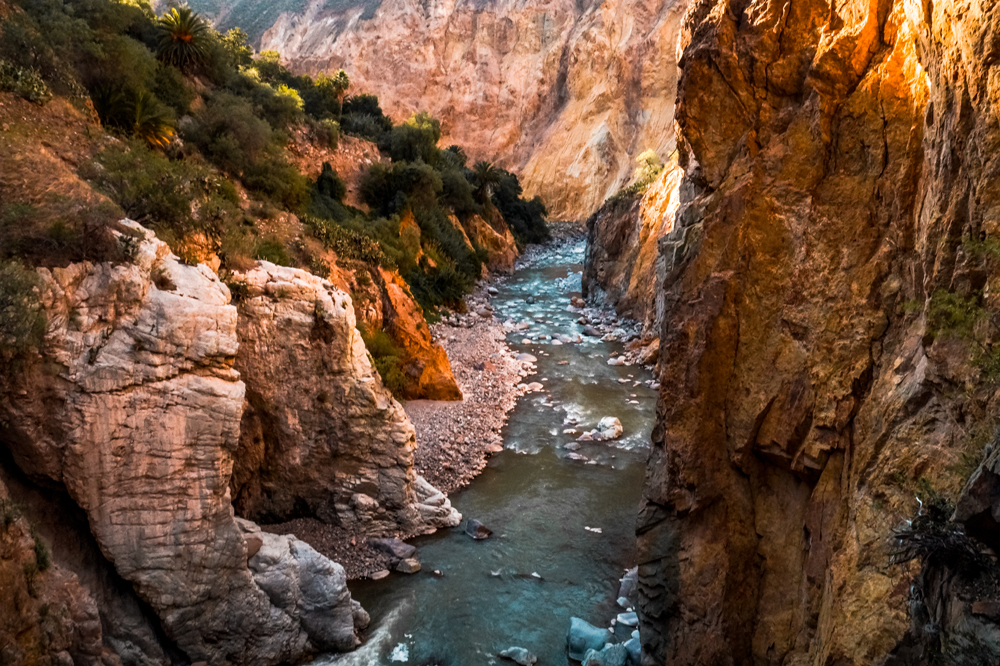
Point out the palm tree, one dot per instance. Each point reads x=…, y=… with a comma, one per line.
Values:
x=182, y=38
x=150, y=121
x=485, y=178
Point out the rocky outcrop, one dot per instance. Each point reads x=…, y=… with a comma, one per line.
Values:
x=566, y=94
x=134, y=408
x=835, y=157
x=425, y=363
x=321, y=436
x=623, y=238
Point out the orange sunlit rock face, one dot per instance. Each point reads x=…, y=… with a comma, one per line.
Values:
x=835, y=156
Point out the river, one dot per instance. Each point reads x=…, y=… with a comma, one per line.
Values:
x=542, y=565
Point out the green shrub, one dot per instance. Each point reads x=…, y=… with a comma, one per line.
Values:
x=329, y=184
x=22, y=320
x=348, y=244
x=182, y=39
x=25, y=82
x=386, y=357
x=273, y=250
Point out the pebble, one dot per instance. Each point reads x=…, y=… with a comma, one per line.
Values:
x=379, y=575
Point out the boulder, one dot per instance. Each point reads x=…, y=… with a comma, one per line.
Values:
x=394, y=548
x=634, y=648
x=519, y=655
x=583, y=637
x=608, y=428
x=629, y=587
x=609, y=655
x=309, y=588
x=591, y=332
x=410, y=565
x=477, y=530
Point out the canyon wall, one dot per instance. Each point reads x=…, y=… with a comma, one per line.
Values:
x=836, y=216
x=566, y=94
x=622, y=265
x=141, y=407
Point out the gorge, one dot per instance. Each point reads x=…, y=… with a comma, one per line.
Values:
x=802, y=350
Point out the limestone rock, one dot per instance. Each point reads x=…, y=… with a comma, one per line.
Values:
x=135, y=409
x=309, y=588
x=519, y=655
x=410, y=565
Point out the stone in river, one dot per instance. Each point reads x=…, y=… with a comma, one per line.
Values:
x=575, y=456
x=630, y=586
x=633, y=646
x=484, y=313
x=609, y=428
x=556, y=343
x=609, y=655
x=583, y=637
x=591, y=331
x=525, y=358
x=408, y=566
x=529, y=300
x=477, y=530
x=519, y=656
x=395, y=548
x=379, y=575
x=623, y=602
x=493, y=291
x=629, y=619
x=585, y=437
x=578, y=302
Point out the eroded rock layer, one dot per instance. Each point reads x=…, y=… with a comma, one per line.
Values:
x=835, y=157
x=565, y=93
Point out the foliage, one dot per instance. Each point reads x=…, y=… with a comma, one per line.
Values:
x=348, y=244
x=361, y=116
x=649, y=167
x=329, y=184
x=24, y=82
x=952, y=313
x=386, y=357
x=182, y=38
x=931, y=537
x=525, y=218
x=22, y=320
x=236, y=45
x=485, y=178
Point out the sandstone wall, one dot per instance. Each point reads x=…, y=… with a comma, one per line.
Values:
x=835, y=158
x=564, y=93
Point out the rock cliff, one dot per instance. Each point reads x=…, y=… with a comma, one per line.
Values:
x=623, y=247
x=321, y=437
x=836, y=217
x=134, y=405
x=565, y=94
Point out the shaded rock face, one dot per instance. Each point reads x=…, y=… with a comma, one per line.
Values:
x=623, y=237
x=321, y=435
x=134, y=408
x=564, y=93
x=835, y=157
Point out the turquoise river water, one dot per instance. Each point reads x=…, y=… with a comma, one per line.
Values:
x=541, y=566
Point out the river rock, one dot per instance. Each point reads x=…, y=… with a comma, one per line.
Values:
x=609, y=655
x=571, y=446
x=519, y=655
x=629, y=587
x=525, y=358
x=583, y=637
x=630, y=619
x=608, y=428
x=493, y=291
x=380, y=574
x=477, y=530
x=634, y=649
x=309, y=588
x=410, y=565
x=394, y=548
x=578, y=302
x=591, y=331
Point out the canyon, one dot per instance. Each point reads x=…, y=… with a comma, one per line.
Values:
x=566, y=94
x=812, y=278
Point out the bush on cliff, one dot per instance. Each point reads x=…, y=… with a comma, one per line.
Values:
x=22, y=321
x=386, y=357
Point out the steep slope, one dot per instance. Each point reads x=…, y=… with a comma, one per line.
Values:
x=564, y=93
x=816, y=374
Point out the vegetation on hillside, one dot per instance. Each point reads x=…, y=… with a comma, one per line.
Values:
x=202, y=126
